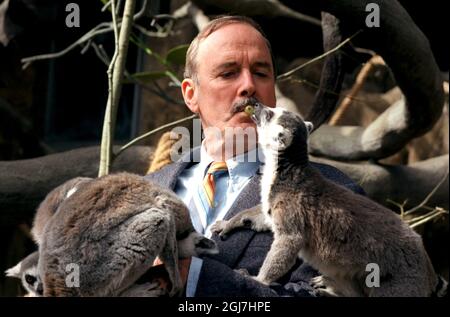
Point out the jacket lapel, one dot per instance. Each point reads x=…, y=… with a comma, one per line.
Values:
x=249, y=197
x=232, y=248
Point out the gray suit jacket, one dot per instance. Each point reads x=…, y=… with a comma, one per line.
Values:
x=246, y=248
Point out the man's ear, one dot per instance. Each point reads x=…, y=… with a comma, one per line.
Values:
x=309, y=126
x=188, y=88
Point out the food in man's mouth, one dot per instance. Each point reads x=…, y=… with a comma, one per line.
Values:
x=249, y=110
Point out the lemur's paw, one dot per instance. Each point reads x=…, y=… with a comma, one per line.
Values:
x=221, y=228
x=218, y=226
x=321, y=288
x=317, y=282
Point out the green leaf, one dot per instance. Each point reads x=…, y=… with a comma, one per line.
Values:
x=146, y=76
x=177, y=55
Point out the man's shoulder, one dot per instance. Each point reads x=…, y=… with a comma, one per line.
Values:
x=163, y=172
x=168, y=174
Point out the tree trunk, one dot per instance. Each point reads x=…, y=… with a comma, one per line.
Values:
x=25, y=183
x=399, y=182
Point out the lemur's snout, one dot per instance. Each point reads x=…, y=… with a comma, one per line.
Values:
x=40, y=289
x=258, y=109
x=262, y=114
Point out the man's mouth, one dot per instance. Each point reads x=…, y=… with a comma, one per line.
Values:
x=252, y=107
x=240, y=106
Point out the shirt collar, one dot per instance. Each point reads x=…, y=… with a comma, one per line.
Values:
x=240, y=167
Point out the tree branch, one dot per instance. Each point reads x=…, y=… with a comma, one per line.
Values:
x=117, y=67
x=407, y=52
x=400, y=183
x=147, y=134
x=102, y=28
x=288, y=74
x=267, y=8
x=360, y=80
x=25, y=183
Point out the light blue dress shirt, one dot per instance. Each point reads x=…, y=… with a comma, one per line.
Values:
x=227, y=188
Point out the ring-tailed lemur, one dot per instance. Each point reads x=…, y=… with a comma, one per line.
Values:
x=110, y=230
x=335, y=230
x=26, y=270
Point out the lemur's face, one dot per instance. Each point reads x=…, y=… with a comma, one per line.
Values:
x=27, y=271
x=32, y=282
x=278, y=128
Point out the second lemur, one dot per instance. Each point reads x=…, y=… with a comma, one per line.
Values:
x=335, y=230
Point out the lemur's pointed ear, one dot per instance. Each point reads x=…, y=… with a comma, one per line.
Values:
x=309, y=126
x=14, y=271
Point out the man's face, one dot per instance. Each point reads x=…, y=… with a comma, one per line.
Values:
x=233, y=63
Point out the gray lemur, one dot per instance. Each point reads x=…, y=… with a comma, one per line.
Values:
x=110, y=231
x=335, y=230
x=26, y=270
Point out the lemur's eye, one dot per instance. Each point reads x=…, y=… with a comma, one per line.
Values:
x=30, y=279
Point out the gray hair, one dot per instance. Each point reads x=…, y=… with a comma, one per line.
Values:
x=190, y=70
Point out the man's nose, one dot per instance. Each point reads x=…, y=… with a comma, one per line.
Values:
x=247, y=87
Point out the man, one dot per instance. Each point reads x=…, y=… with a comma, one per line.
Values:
x=229, y=62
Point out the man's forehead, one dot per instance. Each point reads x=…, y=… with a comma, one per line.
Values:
x=233, y=36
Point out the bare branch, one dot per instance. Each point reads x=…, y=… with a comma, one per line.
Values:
x=425, y=201
x=158, y=91
x=418, y=221
x=101, y=54
x=141, y=12
x=117, y=67
x=162, y=32
x=102, y=28
x=147, y=134
x=400, y=206
x=106, y=6
x=287, y=75
x=108, y=125
x=360, y=80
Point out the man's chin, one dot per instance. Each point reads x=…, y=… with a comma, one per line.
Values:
x=241, y=120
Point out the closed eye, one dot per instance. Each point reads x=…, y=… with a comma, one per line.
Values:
x=227, y=75
x=261, y=74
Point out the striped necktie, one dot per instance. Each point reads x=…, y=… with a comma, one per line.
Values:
x=215, y=170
